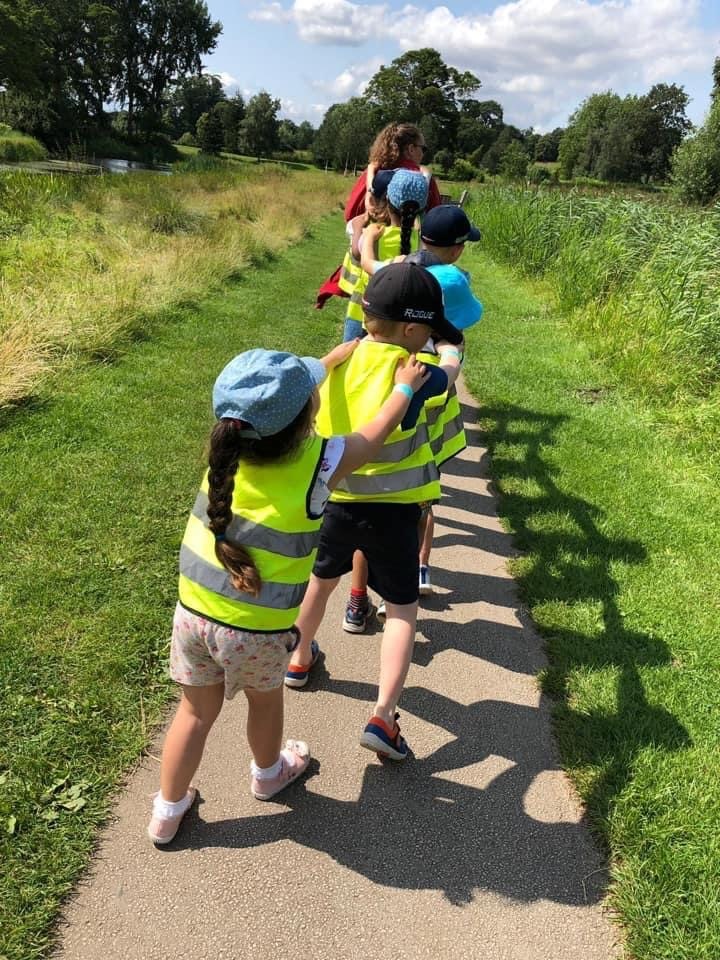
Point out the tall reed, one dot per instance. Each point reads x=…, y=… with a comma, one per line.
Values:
x=639, y=279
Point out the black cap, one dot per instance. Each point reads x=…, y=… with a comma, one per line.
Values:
x=408, y=293
x=446, y=225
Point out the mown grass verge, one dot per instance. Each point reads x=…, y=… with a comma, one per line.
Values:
x=95, y=484
x=618, y=522
x=88, y=263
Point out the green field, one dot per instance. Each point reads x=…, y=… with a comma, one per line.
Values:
x=615, y=513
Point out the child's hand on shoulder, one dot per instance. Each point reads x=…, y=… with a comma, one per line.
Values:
x=372, y=231
x=339, y=354
x=412, y=372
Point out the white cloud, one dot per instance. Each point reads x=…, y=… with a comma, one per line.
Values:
x=227, y=80
x=352, y=81
x=540, y=58
x=327, y=21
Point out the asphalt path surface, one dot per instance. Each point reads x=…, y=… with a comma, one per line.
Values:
x=474, y=848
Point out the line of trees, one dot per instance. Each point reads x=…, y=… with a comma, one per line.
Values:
x=63, y=61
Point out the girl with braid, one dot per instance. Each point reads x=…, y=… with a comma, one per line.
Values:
x=246, y=558
x=406, y=194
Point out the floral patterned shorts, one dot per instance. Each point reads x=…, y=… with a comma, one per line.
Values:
x=203, y=653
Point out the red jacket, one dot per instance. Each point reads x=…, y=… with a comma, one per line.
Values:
x=356, y=201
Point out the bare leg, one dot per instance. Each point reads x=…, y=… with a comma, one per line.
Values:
x=311, y=614
x=359, y=577
x=395, y=655
x=185, y=741
x=426, y=529
x=265, y=725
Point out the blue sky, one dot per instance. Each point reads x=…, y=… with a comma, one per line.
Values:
x=538, y=58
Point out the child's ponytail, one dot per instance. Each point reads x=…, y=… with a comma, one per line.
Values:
x=224, y=456
x=227, y=448
x=408, y=211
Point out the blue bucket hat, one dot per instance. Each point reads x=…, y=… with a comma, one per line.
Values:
x=407, y=185
x=266, y=389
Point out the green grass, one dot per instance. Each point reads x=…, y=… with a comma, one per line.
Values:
x=16, y=147
x=616, y=516
x=96, y=480
x=619, y=527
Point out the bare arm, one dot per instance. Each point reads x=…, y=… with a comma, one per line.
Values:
x=369, y=251
x=450, y=359
x=366, y=442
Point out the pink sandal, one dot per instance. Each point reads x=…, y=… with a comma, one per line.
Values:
x=294, y=761
x=163, y=827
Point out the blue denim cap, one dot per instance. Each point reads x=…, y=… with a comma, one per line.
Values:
x=446, y=225
x=265, y=388
x=407, y=185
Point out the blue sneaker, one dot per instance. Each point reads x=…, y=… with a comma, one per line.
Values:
x=385, y=742
x=356, y=620
x=299, y=673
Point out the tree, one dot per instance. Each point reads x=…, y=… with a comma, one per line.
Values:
x=287, y=136
x=514, y=161
x=158, y=43
x=417, y=84
x=21, y=44
x=305, y=135
x=231, y=113
x=493, y=155
x=259, y=129
x=190, y=98
x=696, y=163
x=546, y=149
x=345, y=135
x=210, y=134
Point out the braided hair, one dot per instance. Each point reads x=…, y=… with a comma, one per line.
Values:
x=227, y=449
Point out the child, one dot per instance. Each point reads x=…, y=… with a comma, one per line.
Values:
x=406, y=197
x=246, y=557
x=375, y=509
x=445, y=231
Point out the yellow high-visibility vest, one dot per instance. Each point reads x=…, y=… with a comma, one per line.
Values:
x=388, y=249
x=445, y=422
x=271, y=519
x=405, y=469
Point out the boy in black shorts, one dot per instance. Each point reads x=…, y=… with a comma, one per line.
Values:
x=376, y=509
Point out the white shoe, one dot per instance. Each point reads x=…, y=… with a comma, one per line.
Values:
x=381, y=612
x=425, y=587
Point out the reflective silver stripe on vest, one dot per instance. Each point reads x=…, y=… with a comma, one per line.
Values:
x=433, y=413
x=410, y=479
x=451, y=430
x=350, y=275
x=402, y=449
x=260, y=537
x=278, y=596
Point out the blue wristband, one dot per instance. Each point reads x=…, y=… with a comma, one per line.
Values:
x=404, y=388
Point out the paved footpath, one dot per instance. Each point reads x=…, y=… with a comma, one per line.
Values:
x=473, y=850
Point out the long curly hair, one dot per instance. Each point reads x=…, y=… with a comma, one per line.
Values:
x=390, y=144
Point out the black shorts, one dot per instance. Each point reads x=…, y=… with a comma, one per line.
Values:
x=386, y=533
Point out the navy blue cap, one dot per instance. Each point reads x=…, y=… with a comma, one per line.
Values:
x=446, y=225
x=380, y=183
x=266, y=389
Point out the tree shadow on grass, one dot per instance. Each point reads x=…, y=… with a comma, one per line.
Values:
x=572, y=564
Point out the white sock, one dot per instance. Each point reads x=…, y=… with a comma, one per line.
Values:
x=167, y=808
x=266, y=773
